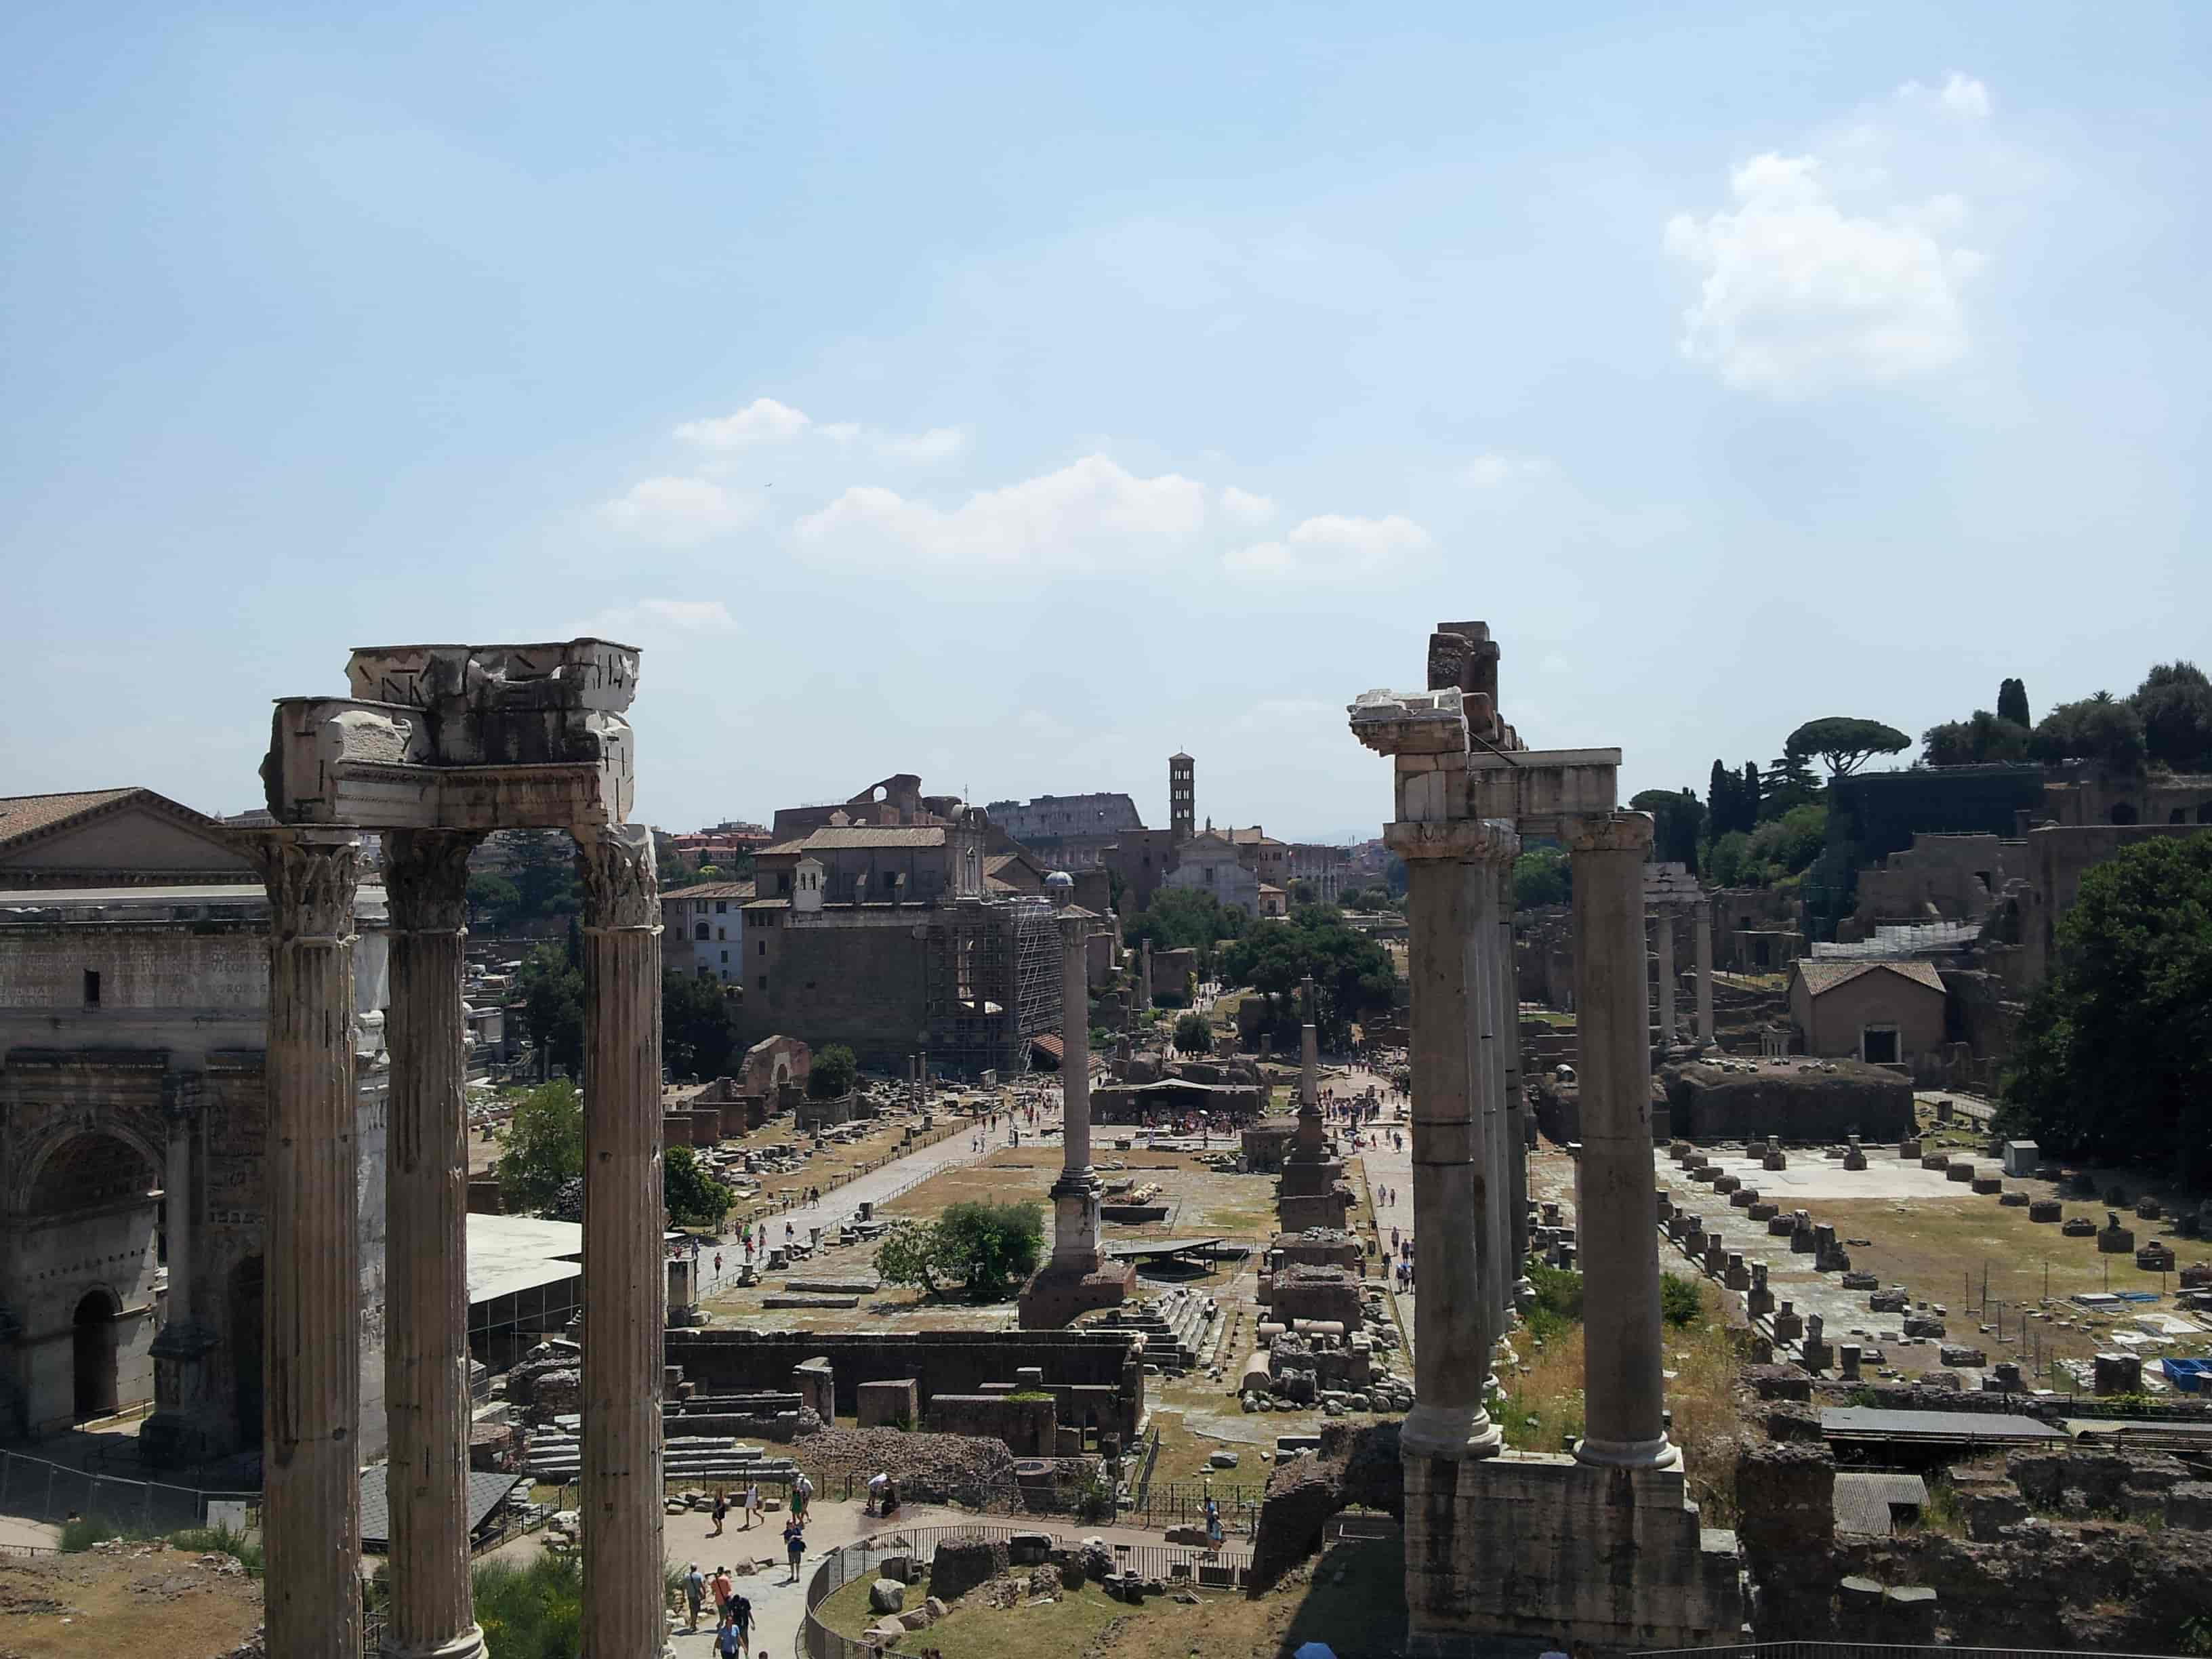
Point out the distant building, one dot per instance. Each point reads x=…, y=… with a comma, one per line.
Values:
x=1068, y=832
x=703, y=929
x=891, y=940
x=1182, y=797
x=1887, y=1011
x=895, y=802
x=1211, y=863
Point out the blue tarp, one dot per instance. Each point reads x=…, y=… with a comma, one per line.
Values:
x=2188, y=1376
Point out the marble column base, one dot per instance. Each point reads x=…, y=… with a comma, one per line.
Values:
x=1660, y=1454
x=468, y=1644
x=1458, y=1433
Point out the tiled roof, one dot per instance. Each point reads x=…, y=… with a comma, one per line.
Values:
x=868, y=835
x=22, y=814
x=712, y=890
x=1822, y=977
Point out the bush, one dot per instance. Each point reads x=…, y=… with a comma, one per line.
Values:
x=834, y=1074
x=535, y=1611
x=991, y=1247
x=1193, y=1036
x=1559, y=1304
x=220, y=1541
x=691, y=1195
x=1680, y=1301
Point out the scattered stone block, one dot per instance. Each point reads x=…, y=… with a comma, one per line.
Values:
x=1988, y=1184
x=1921, y=1328
x=886, y=1596
x=1958, y=1354
x=2116, y=1240
x=1936, y=1160
x=2155, y=1258
x=2012, y=1199
x=2078, y=1227
x=1953, y=1171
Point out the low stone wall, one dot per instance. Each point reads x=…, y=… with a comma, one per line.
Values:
x=1804, y=1100
x=890, y=1405
x=1025, y=1422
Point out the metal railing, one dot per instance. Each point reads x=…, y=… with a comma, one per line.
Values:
x=34, y=1490
x=1185, y=1564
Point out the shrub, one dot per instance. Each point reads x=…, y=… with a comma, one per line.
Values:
x=833, y=1073
x=535, y=1611
x=1680, y=1301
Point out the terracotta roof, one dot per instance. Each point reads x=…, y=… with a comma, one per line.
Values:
x=1255, y=837
x=1824, y=976
x=22, y=814
x=869, y=835
x=712, y=890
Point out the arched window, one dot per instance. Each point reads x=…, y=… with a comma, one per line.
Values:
x=88, y=1171
x=699, y=933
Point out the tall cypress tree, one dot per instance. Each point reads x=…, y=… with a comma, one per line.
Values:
x=2011, y=702
x=1747, y=803
x=1720, y=801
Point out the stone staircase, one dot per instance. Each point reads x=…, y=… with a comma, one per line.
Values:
x=557, y=1456
x=1181, y=1329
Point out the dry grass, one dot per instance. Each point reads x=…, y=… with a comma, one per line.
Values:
x=158, y=1601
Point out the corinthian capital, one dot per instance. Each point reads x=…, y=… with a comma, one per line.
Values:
x=621, y=887
x=311, y=876
x=1607, y=832
x=426, y=876
x=1462, y=841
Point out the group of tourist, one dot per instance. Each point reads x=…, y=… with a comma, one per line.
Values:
x=733, y=1613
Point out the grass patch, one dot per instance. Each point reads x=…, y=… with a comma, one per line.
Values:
x=80, y=1533
x=533, y=1611
x=220, y=1541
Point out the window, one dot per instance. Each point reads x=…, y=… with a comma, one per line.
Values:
x=721, y=906
x=699, y=933
x=761, y=948
x=783, y=885
x=91, y=988
x=1878, y=1045
x=726, y=955
x=762, y=981
x=722, y=932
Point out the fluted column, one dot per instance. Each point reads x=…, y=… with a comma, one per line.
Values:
x=426, y=1355
x=1456, y=1321
x=1662, y=927
x=1701, y=916
x=626, y=1290
x=1515, y=1185
x=1623, y=1397
x=311, y=1481
x=1076, y=1194
x=1489, y=1084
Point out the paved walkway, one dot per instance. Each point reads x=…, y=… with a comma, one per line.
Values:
x=1381, y=1165
x=879, y=1187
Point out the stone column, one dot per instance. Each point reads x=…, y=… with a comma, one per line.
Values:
x=1489, y=1086
x=177, y=1207
x=1455, y=1323
x=180, y=1430
x=1662, y=924
x=1701, y=916
x=1308, y=1050
x=311, y=1477
x=1515, y=1186
x=624, y=1286
x=426, y=1352
x=1075, y=1196
x=1145, y=979
x=1623, y=1399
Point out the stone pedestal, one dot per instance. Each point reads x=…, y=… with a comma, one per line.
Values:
x=426, y=1355
x=311, y=1494
x=621, y=1497
x=1624, y=1404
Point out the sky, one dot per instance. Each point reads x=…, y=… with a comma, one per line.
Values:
x=1015, y=395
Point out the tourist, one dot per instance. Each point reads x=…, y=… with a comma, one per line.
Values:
x=794, y=1545
x=1213, y=1521
x=725, y=1587
x=721, y=1511
x=695, y=1591
x=802, y=1496
x=752, y=1506
x=718, y=1264
x=740, y=1624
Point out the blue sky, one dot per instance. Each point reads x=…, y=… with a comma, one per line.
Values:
x=1014, y=395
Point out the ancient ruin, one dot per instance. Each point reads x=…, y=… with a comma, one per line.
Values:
x=435, y=746
x=1498, y=1542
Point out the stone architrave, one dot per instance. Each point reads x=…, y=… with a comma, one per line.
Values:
x=1624, y=1401
x=426, y=1355
x=311, y=1481
x=622, y=1498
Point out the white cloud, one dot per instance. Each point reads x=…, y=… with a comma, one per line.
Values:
x=842, y=432
x=1246, y=508
x=1494, y=470
x=938, y=444
x=1823, y=272
x=1090, y=512
x=679, y=511
x=1960, y=94
x=1332, y=542
x=761, y=421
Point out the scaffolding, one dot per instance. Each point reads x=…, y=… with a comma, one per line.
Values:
x=994, y=983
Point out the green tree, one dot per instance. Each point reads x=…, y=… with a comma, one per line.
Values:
x=2099, y=728
x=553, y=1008
x=990, y=1247
x=1845, y=742
x=493, y=900
x=911, y=1253
x=1193, y=1036
x=1751, y=799
x=1727, y=860
x=692, y=1195
x=542, y=864
x=2113, y=1060
x=832, y=1074
x=1785, y=785
x=1984, y=738
x=545, y=1148
x=532, y=1612
x=1352, y=973
x=698, y=1025
x=1678, y=824
x=2012, y=703
x=1541, y=876
x=2174, y=703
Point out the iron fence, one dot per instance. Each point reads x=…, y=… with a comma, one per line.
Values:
x=1184, y=1564
x=1182, y=1503
x=32, y=1489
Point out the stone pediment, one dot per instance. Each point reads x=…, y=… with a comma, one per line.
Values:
x=127, y=838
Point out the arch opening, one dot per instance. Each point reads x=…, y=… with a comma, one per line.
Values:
x=92, y=1354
